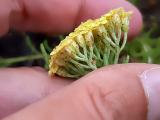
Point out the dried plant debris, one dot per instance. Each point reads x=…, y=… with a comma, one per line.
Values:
x=94, y=44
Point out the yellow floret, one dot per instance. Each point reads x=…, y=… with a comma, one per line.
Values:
x=85, y=35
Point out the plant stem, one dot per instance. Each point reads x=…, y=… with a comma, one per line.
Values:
x=147, y=49
x=30, y=45
x=10, y=61
x=117, y=56
x=45, y=55
x=124, y=41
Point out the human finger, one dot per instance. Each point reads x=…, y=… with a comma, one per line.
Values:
x=59, y=16
x=114, y=92
x=20, y=87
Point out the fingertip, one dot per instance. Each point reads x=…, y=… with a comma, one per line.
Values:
x=4, y=16
x=136, y=22
x=96, y=8
x=8, y=9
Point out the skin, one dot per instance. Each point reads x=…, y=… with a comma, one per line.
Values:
x=39, y=15
x=28, y=93
x=104, y=94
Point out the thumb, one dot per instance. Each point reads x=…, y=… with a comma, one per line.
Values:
x=115, y=92
x=151, y=81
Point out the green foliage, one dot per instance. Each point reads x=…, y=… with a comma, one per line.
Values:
x=6, y=62
x=35, y=55
x=45, y=55
x=144, y=49
x=30, y=45
x=135, y=2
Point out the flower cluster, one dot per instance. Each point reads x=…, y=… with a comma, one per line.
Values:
x=94, y=44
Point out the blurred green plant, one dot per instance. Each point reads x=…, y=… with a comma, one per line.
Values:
x=144, y=48
x=34, y=55
x=135, y=2
x=45, y=55
x=6, y=62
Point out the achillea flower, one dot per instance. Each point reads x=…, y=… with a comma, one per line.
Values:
x=94, y=44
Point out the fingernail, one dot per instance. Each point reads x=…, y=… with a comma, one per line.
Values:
x=151, y=82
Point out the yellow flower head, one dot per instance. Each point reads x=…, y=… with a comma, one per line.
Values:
x=94, y=44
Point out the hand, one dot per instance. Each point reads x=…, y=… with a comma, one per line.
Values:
x=59, y=16
x=110, y=93
x=88, y=98
x=23, y=86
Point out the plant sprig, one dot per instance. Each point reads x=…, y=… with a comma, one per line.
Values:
x=144, y=48
x=34, y=55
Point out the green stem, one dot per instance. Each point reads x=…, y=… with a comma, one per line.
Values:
x=45, y=55
x=47, y=47
x=10, y=61
x=116, y=56
x=61, y=37
x=106, y=56
x=108, y=40
x=30, y=45
x=126, y=60
x=147, y=49
x=124, y=41
x=119, y=35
